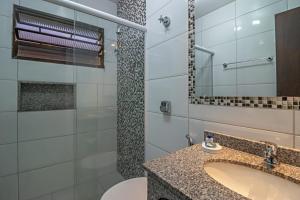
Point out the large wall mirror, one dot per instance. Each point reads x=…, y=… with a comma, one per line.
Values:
x=247, y=48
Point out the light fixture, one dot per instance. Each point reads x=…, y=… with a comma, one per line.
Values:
x=238, y=28
x=255, y=22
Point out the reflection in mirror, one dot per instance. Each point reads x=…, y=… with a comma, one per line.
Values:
x=241, y=48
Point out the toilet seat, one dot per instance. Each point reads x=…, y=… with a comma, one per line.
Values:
x=132, y=189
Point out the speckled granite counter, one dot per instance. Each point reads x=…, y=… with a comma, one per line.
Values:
x=183, y=173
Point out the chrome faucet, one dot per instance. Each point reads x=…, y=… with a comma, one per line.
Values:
x=270, y=154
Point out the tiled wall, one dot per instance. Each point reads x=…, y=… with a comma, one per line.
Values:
x=55, y=155
x=227, y=31
x=131, y=67
x=165, y=80
x=166, y=76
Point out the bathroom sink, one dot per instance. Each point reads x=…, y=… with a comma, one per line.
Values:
x=251, y=183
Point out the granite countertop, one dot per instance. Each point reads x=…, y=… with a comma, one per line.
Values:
x=183, y=172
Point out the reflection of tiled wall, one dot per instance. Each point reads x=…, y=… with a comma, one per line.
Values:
x=214, y=21
x=227, y=31
x=131, y=90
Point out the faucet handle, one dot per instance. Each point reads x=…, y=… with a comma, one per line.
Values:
x=190, y=140
x=271, y=145
x=270, y=153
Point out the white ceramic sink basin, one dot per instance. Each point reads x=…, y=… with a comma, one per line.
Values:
x=251, y=183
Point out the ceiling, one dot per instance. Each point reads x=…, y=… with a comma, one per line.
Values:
x=204, y=7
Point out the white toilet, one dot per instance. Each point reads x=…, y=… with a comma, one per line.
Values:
x=132, y=189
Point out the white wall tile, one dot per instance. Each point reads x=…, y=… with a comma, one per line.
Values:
x=91, y=167
x=258, y=46
x=41, y=153
x=46, y=197
x=198, y=25
x=219, y=34
x=8, y=159
x=110, y=28
x=223, y=76
x=87, y=95
x=204, y=76
x=109, y=180
x=154, y=5
x=9, y=187
x=107, y=118
x=224, y=53
x=297, y=123
x=203, y=59
x=259, y=21
x=42, y=71
x=103, y=5
x=89, y=75
x=108, y=97
x=6, y=33
x=254, y=90
x=266, y=119
x=8, y=91
x=204, y=91
x=107, y=140
x=8, y=127
x=245, y=6
x=87, y=190
x=66, y=194
x=86, y=18
x=293, y=4
x=225, y=90
x=7, y=7
x=49, y=8
x=8, y=66
x=152, y=152
x=197, y=128
x=36, y=125
x=167, y=132
x=110, y=55
x=110, y=74
x=297, y=142
x=87, y=120
x=157, y=33
x=173, y=89
x=43, y=181
x=219, y=16
x=258, y=74
x=86, y=144
x=159, y=62
x=147, y=97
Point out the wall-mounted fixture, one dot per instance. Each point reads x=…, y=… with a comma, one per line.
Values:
x=190, y=140
x=166, y=21
x=165, y=107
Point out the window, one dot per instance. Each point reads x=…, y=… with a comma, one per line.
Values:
x=49, y=38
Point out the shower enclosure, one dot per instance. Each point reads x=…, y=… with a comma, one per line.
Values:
x=62, y=101
x=204, y=70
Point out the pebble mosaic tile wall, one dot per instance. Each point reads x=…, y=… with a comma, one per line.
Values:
x=131, y=55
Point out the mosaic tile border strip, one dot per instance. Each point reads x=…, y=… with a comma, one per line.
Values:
x=288, y=103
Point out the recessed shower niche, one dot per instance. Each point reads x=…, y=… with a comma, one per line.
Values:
x=43, y=96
